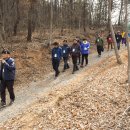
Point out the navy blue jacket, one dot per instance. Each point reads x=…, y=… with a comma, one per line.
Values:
x=7, y=70
x=56, y=53
x=118, y=38
x=65, y=50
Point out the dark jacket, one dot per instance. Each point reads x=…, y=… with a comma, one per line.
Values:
x=75, y=49
x=118, y=38
x=57, y=53
x=99, y=42
x=7, y=71
x=65, y=50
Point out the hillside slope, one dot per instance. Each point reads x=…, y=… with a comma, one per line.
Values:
x=92, y=99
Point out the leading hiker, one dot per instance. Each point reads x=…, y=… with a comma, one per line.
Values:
x=7, y=75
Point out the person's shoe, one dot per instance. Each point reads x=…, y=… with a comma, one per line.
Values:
x=3, y=104
x=63, y=70
x=57, y=74
x=73, y=72
x=11, y=102
x=68, y=67
x=99, y=55
x=81, y=66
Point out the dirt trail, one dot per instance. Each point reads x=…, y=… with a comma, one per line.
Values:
x=30, y=94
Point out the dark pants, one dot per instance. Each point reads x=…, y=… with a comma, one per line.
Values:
x=9, y=85
x=66, y=65
x=110, y=44
x=99, y=50
x=124, y=41
x=55, y=64
x=79, y=58
x=75, y=66
x=84, y=56
x=118, y=46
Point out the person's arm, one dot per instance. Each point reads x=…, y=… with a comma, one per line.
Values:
x=96, y=41
x=61, y=54
x=52, y=51
x=88, y=45
x=102, y=42
x=9, y=66
x=70, y=50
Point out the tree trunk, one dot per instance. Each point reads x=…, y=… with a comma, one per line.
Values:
x=84, y=16
x=119, y=20
x=51, y=22
x=2, y=28
x=31, y=19
x=127, y=41
x=29, y=37
x=113, y=34
x=18, y=18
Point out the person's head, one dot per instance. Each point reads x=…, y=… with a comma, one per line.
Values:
x=78, y=38
x=99, y=35
x=75, y=41
x=56, y=44
x=65, y=42
x=84, y=39
x=5, y=54
x=118, y=32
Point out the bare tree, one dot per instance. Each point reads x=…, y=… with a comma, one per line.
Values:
x=17, y=18
x=31, y=19
x=51, y=21
x=128, y=46
x=113, y=34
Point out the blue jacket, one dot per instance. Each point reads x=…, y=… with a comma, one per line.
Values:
x=7, y=71
x=65, y=50
x=85, y=47
x=56, y=53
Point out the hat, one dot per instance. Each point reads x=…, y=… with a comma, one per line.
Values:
x=5, y=52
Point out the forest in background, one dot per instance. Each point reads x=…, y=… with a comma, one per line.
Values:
x=46, y=16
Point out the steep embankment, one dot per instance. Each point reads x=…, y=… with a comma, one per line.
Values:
x=94, y=98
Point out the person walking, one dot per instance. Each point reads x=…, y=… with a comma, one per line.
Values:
x=118, y=39
x=110, y=41
x=7, y=75
x=123, y=38
x=65, y=54
x=100, y=45
x=85, y=45
x=79, y=56
x=56, y=57
x=75, y=50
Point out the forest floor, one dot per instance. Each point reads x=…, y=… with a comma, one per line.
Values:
x=95, y=98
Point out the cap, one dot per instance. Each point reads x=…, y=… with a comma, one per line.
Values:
x=5, y=52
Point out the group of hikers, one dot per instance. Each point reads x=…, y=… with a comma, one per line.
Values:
x=80, y=48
